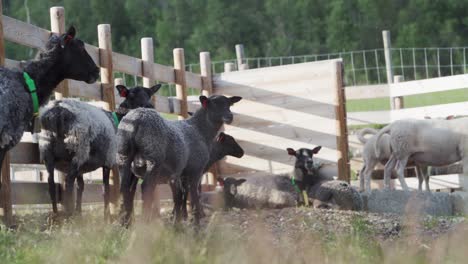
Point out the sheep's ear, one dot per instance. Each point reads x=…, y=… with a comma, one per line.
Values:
x=450, y=117
x=235, y=99
x=240, y=181
x=204, y=101
x=190, y=113
x=221, y=137
x=71, y=32
x=123, y=91
x=153, y=90
x=221, y=181
x=291, y=151
x=316, y=149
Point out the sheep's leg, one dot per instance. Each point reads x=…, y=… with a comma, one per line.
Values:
x=179, y=197
x=366, y=174
x=195, y=198
x=105, y=182
x=125, y=190
x=147, y=192
x=388, y=171
x=361, y=179
x=79, y=192
x=2, y=156
x=401, y=173
x=425, y=176
x=52, y=190
x=69, y=183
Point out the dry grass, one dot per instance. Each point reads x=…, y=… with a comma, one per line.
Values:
x=87, y=239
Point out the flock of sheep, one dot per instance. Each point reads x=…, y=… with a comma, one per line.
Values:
x=77, y=138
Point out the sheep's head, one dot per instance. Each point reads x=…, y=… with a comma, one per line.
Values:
x=136, y=97
x=304, y=158
x=230, y=187
x=218, y=107
x=229, y=145
x=72, y=57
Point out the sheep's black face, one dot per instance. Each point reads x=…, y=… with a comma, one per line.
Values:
x=136, y=97
x=304, y=158
x=230, y=145
x=76, y=62
x=218, y=107
x=230, y=187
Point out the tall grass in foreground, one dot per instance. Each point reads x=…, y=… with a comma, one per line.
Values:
x=89, y=240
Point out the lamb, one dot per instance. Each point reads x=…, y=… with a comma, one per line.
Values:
x=323, y=191
x=430, y=142
x=277, y=191
x=22, y=92
x=370, y=159
x=225, y=145
x=77, y=138
x=166, y=150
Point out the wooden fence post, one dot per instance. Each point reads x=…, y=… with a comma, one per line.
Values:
x=181, y=83
x=57, y=25
x=228, y=67
x=107, y=87
x=240, y=58
x=5, y=191
x=147, y=58
x=342, y=128
x=388, y=59
x=207, y=85
x=398, y=101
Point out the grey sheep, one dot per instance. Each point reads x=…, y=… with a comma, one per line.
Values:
x=163, y=150
x=224, y=145
x=64, y=57
x=78, y=138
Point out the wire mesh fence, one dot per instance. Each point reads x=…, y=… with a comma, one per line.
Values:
x=366, y=67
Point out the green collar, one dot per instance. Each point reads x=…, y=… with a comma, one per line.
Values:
x=116, y=119
x=32, y=90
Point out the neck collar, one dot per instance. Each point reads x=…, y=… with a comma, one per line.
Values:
x=116, y=119
x=33, y=91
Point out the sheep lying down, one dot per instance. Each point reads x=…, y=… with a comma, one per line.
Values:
x=266, y=191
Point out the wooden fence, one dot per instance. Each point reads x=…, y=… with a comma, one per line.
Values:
x=297, y=105
x=401, y=89
x=32, y=36
x=296, y=86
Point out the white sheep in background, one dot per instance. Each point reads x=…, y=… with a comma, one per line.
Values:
x=431, y=142
x=370, y=158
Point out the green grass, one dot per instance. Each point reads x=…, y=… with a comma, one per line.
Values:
x=375, y=104
x=89, y=240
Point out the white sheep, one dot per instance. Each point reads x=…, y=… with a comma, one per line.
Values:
x=370, y=158
x=430, y=142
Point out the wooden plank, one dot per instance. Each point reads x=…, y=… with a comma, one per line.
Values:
x=367, y=91
x=38, y=193
x=25, y=34
x=85, y=90
x=429, y=85
x=93, y=52
x=193, y=80
x=127, y=64
x=386, y=117
x=163, y=73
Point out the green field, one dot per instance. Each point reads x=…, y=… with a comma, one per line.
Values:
x=375, y=104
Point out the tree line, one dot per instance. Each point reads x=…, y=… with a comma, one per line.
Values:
x=265, y=27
